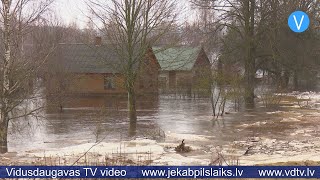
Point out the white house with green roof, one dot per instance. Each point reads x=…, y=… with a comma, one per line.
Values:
x=181, y=66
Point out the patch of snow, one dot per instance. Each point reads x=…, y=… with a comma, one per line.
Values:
x=161, y=153
x=290, y=119
x=249, y=115
x=268, y=151
x=188, y=137
x=258, y=159
x=129, y=147
x=314, y=114
x=269, y=142
x=175, y=159
x=302, y=131
x=254, y=124
x=307, y=99
x=275, y=112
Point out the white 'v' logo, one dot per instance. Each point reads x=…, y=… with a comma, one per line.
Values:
x=295, y=20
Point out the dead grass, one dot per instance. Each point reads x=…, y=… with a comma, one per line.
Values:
x=294, y=163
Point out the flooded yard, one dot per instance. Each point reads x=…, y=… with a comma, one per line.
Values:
x=253, y=137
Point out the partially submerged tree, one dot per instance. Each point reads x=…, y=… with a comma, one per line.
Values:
x=132, y=27
x=287, y=59
x=258, y=38
x=19, y=61
x=239, y=16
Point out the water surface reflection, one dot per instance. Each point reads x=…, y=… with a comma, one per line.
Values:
x=90, y=119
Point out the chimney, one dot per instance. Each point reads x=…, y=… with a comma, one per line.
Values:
x=98, y=41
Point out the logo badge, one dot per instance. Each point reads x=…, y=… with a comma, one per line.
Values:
x=299, y=21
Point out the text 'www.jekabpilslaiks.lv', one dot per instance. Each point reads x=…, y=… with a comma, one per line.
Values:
x=192, y=173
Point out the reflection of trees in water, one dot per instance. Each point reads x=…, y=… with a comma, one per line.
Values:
x=100, y=116
x=25, y=130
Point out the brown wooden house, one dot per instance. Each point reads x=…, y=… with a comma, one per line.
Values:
x=183, y=68
x=96, y=69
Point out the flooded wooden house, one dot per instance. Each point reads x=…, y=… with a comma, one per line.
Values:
x=82, y=69
x=183, y=68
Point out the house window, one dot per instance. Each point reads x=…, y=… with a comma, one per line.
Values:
x=109, y=83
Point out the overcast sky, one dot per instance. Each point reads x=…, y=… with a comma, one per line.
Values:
x=74, y=11
x=71, y=11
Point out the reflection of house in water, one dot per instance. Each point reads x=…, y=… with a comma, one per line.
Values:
x=182, y=68
x=92, y=102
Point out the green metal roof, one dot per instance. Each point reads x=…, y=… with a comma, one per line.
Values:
x=177, y=58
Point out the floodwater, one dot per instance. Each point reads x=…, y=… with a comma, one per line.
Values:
x=91, y=119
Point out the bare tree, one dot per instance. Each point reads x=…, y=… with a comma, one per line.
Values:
x=132, y=27
x=17, y=69
x=240, y=16
x=257, y=35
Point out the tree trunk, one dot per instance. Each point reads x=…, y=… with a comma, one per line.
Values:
x=295, y=81
x=213, y=105
x=250, y=60
x=4, y=134
x=285, y=80
x=249, y=92
x=5, y=78
x=132, y=111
